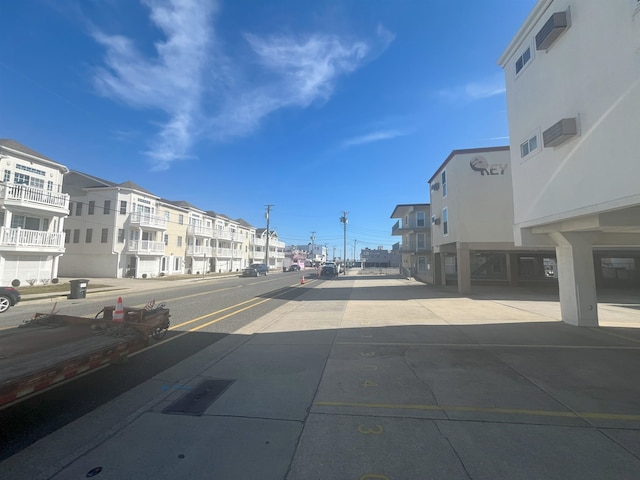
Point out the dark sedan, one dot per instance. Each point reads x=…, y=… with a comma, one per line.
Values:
x=9, y=296
x=294, y=268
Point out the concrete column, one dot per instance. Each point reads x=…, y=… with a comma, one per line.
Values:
x=513, y=273
x=436, y=269
x=443, y=269
x=576, y=278
x=463, y=260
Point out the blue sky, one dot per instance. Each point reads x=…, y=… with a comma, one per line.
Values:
x=316, y=107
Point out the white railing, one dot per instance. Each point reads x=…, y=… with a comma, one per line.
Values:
x=147, y=220
x=19, y=237
x=28, y=195
x=259, y=242
x=199, y=251
x=146, y=246
x=200, y=231
x=223, y=252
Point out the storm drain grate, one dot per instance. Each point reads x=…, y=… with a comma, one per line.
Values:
x=197, y=400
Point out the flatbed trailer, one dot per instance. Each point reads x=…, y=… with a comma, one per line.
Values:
x=50, y=349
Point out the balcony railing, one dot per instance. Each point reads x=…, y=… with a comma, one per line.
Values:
x=200, y=231
x=229, y=235
x=148, y=220
x=20, y=194
x=224, y=253
x=199, y=251
x=20, y=237
x=146, y=247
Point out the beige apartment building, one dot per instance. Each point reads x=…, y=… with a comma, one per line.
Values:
x=414, y=228
x=572, y=75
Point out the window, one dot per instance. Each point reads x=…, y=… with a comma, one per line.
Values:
x=529, y=146
x=7, y=176
x=420, y=219
x=176, y=265
x=28, y=223
x=88, y=235
x=421, y=241
x=445, y=221
x=180, y=219
x=523, y=60
x=121, y=235
x=104, y=237
x=123, y=207
x=92, y=207
x=67, y=236
x=21, y=178
x=443, y=180
x=70, y=209
x=179, y=241
x=49, y=186
x=107, y=207
x=167, y=216
x=76, y=235
x=78, y=208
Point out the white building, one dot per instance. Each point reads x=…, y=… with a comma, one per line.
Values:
x=472, y=222
x=32, y=215
x=414, y=226
x=573, y=95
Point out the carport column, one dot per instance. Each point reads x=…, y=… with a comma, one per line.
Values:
x=512, y=269
x=436, y=269
x=463, y=261
x=576, y=278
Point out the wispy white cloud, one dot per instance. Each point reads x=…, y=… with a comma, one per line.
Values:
x=478, y=90
x=172, y=81
x=372, y=137
x=203, y=93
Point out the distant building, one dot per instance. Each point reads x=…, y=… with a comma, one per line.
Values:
x=415, y=247
x=380, y=258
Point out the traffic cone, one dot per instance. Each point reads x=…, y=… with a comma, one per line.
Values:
x=118, y=313
x=302, y=282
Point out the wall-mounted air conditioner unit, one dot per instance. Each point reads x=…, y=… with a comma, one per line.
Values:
x=435, y=186
x=552, y=29
x=435, y=220
x=560, y=132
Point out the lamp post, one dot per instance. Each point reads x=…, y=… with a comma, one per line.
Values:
x=345, y=220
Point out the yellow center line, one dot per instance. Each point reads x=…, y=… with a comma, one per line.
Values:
x=510, y=411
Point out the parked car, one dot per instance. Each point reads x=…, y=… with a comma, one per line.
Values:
x=255, y=270
x=294, y=268
x=329, y=270
x=9, y=296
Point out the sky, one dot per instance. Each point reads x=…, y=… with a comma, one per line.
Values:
x=315, y=107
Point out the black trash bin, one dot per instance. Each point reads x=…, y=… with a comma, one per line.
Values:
x=78, y=288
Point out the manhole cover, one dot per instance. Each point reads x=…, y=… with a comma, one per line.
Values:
x=198, y=399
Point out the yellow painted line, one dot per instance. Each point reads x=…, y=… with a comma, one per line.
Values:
x=510, y=411
x=616, y=335
x=490, y=345
x=197, y=319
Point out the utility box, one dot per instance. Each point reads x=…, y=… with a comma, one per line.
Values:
x=78, y=288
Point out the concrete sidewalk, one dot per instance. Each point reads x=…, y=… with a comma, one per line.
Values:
x=378, y=378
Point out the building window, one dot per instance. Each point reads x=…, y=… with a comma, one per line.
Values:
x=445, y=221
x=104, y=237
x=167, y=216
x=89, y=235
x=107, y=207
x=422, y=244
x=420, y=219
x=7, y=175
x=92, y=207
x=523, y=60
x=21, y=179
x=67, y=235
x=176, y=265
x=121, y=235
x=166, y=239
x=123, y=207
x=179, y=241
x=78, y=209
x=443, y=181
x=49, y=186
x=76, y=235
x=180, y=219
x=529, y=146
x=70, y=209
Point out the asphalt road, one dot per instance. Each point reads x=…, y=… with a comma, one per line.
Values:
x=201, y=314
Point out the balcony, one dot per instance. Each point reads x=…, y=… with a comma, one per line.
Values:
x=199, y=251
x=146, y=220
x=19, y=239
x=199, y=231
x=24, y=196
x=225, y=253
x=146, y=247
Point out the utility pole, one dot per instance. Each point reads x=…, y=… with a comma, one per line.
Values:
x=313, y=250
x=267, y=216
x=355, y=243
x=345, y=220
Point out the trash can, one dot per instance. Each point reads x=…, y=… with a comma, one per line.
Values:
x=78, y=288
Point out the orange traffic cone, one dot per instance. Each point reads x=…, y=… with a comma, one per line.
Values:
x=302, y=282
x=118, y=313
